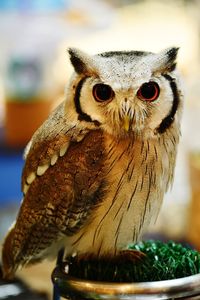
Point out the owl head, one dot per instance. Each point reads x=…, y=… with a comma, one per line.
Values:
x=126, y=92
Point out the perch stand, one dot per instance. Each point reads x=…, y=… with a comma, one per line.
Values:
x=76, y=288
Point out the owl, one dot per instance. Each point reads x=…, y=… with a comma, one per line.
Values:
x=97, y=169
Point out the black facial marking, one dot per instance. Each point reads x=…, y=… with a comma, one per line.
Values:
x=81, y=115
x=168, y=120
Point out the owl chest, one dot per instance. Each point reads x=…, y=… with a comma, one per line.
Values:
x=127, y=206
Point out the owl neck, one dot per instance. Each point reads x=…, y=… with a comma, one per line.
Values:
x=153, y=153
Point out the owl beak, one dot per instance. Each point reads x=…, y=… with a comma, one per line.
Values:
x=127, y=120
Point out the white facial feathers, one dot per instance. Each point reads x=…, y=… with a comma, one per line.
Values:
x=126, y=72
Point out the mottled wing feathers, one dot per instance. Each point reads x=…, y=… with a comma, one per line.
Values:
x=46, y=144
x=43, y=156
x=57, y=202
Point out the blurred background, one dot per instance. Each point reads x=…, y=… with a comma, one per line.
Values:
x=34, y=68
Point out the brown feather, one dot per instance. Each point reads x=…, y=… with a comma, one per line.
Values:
x=57, y=204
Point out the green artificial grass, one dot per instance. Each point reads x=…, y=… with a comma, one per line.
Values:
x=161, y=261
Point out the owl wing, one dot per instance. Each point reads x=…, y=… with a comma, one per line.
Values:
x=62, y=179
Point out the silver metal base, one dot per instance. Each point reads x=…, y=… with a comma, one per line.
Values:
x=182, y=288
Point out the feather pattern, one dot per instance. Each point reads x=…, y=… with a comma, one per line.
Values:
x=96, y=171
x=136, y=191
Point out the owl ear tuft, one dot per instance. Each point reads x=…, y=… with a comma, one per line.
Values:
x=82, y=62
x=172, y=53
x=167, y=59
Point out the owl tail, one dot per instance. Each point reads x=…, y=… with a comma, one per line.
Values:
x=8, y=264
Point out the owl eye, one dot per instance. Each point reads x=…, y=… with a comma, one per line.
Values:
x=149, y=91
x=102, y=92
